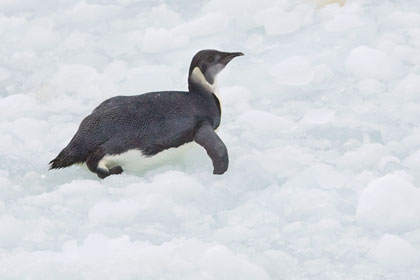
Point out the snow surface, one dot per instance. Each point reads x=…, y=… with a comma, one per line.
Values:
x=321, y=118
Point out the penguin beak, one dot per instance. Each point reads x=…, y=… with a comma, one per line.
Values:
x=229, y=56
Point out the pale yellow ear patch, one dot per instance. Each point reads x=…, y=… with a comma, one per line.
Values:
x=322, y=3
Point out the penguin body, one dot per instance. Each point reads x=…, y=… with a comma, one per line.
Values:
x=142, y=126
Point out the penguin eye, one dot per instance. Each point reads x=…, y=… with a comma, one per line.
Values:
x=210, y=58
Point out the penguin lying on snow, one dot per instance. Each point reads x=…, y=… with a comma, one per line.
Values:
x=150, y=123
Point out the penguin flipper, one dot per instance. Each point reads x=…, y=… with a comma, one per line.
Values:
x=206, y=137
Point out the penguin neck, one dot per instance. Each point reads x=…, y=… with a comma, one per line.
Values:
x=197, y=81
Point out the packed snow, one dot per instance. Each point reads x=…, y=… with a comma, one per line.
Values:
x=321, y=118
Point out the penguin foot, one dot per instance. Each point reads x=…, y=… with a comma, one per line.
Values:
x=102, y=173
x=116, y=170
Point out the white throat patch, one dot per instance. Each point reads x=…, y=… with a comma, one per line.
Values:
x=198, y=77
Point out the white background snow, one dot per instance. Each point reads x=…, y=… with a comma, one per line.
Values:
x=321, y=118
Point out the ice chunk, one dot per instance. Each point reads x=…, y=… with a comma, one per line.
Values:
x=208, y=24
x=276, y=21
x=395, y=252
x=366, y=156
x=75, y=41
x=389, y=163
x=85, y=14
x=150, y=78
x=322, y=72
x=365, y=62
x=122, y=44
x=294, y=71
x=389, y=203
x=326, y=176
x=405, y=53
x=39, y=38
x=279, y=264
x=73, y=77
x=176, y=185
x=254, y=43
x=219, y=263
x=23, y=59
x=408, y=88
x=371, y=86
x=317, y=266
x=168, y=18
x=285, y=161
x=74, y=194
x=412, y=162
x=11, y=231
x=156, y=40
x=318, y=116
x=115, y=213
x=116, y=70
x=232, y=96
x=398, y=18
x=4, y=74
x=344, y=22
x=27, y=105
x=238, y=8
x=15, y=6
x=264, y=122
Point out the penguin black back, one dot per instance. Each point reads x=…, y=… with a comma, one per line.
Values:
x=153, y=122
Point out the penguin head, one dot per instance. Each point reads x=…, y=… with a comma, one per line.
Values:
x=206, y=64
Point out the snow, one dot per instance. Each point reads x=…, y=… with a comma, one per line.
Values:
x=371, y=86
x=318, y=116
x=389, y=203
x=293, y=71
x=395, y=253
x=161, y=40
x=409, y=87
x=321, y=119
x=366, y=62
x=276, y=21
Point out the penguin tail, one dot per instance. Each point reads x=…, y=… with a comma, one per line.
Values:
x=64, y=159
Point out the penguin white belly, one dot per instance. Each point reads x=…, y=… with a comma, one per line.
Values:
x=135, y=160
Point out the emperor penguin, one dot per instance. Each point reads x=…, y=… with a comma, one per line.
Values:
x=153, y=122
